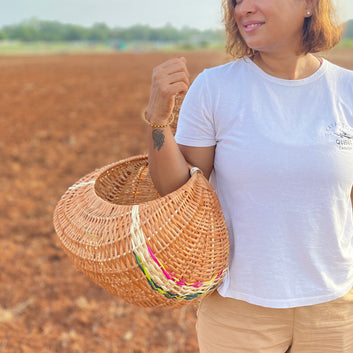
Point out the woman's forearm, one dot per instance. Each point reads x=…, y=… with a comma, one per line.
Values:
x=168, y=167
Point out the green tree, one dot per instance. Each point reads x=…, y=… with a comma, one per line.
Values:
x=3, y=35
x=348, y=29
x=74, y=33
x=99, y=32
x=34, y=29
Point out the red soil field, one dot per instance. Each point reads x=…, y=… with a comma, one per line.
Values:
x=60, y=118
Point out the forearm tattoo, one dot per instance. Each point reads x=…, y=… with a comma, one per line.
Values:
x=158, y=138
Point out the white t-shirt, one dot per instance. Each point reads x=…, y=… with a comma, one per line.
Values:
x=283, y=172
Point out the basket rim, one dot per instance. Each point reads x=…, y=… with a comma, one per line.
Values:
x=192, y=180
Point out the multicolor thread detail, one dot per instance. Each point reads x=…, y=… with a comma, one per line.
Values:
x=91, y=234
x=149, y=264
x=181, y=282
x=168, y=294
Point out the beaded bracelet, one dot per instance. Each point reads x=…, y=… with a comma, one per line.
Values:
x=155, y=125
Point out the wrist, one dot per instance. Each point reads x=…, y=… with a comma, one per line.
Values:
x=157, y=123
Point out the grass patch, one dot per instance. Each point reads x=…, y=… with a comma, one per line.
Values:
x=346, y=43
x=44, y=48
x=47, y=48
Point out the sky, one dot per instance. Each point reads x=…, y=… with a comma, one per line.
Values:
x=202, y=14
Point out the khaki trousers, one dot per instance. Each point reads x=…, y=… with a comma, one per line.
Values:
x=226, y=325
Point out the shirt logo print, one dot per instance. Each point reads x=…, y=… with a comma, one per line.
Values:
x=341, y=134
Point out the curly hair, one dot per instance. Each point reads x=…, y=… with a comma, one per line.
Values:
x=321, y=31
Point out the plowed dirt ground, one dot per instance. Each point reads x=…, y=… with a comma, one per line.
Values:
x=60, y=118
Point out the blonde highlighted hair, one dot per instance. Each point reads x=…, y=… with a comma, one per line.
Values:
x=321, y=31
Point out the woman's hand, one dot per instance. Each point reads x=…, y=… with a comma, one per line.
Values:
x=168, y=79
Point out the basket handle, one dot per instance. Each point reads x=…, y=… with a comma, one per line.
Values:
x=195, y=169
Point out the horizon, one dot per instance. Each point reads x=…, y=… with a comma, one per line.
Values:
x=118, y=26
x=199, y=14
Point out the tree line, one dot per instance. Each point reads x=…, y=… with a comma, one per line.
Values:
x=33, y=30
x=348, y=31
x=53, y=31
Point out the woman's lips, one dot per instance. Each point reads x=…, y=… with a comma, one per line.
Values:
x=252, y=26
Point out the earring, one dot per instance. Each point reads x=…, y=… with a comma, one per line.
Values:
x=308, y=13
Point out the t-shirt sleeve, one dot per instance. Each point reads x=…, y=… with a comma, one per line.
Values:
x=196, y=124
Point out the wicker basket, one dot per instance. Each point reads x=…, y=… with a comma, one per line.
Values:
x=149, y=250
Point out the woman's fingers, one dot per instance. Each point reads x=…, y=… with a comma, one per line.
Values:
x=180, y=88
x=174, y=73
x=174, y=69
x=172, y=89
x=178, y=77
x=168, y=79
x=175, y=65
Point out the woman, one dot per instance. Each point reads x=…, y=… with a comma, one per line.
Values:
x=274, y=132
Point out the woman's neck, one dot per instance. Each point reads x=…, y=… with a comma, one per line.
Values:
x=289, y=67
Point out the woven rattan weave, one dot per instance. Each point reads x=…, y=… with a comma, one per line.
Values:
x=149, y=250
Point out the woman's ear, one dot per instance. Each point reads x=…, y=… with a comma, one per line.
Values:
x=309, y=7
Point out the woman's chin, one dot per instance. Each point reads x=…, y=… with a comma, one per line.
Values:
x=257, y=46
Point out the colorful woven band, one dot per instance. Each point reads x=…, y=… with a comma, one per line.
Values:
x=157, y=275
